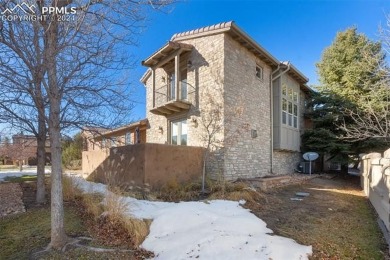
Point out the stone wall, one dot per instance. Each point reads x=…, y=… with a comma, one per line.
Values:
x=223, y=74
x=205, y=77
x=284, y=162
x=247, y=107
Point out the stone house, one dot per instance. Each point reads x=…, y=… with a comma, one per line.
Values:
x=215, y=86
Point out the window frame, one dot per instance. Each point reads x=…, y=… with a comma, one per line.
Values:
x=128, y=138
x=290, y=99
x=259, y=72
x=179, y=131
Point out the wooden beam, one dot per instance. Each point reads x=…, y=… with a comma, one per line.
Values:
x=166, y=59
x=181, y=105
x=154, y=88
x=177, y=75
x=173, y=108
x=164, y=110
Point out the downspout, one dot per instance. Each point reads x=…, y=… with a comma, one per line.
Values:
x=273, y=77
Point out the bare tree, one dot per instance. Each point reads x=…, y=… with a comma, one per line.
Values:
x=371, y=123
x=22, y=99
x=82, y=52
x=217, y=129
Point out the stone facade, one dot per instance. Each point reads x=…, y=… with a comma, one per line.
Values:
x=285, y=162
x=248, y=156
x=232, y=94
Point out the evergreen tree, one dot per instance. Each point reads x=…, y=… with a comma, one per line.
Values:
x=351, y=78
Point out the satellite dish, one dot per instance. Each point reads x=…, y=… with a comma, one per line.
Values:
x=310, y=156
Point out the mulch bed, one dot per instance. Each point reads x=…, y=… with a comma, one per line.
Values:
x=11, y=199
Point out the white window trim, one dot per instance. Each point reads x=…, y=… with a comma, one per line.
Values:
x=179, y=134
x=290, y=100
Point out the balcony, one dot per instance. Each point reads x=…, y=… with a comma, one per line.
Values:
x=176, y=94
x=169, y=101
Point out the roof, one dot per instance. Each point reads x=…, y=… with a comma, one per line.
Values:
x=131, y=126
x=238, y=35
x=232, y=29
x=164, y=53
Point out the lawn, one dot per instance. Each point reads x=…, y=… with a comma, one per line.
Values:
x=336, y=219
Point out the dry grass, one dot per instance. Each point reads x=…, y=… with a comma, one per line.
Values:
x=92, y=204
x=115, y=207
x=69, y=189
x=336, y=219
x=173, y=191
x=111, y=212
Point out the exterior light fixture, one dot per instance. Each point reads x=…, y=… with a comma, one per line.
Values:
x=194, y=121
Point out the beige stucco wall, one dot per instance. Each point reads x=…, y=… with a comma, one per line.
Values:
x=149, y=166
x=92, y=159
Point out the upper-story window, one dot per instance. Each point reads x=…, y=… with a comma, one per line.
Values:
x=128, y=138
x=289, y=106
x=113, y=142
x=182, y=85
x=259, y=72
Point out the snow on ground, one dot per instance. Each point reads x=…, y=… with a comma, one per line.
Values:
x=16, y=173
x=215, y=229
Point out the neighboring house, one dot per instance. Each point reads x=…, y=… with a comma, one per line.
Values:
x=23, y=149
x=219, y=77
x=98, y=139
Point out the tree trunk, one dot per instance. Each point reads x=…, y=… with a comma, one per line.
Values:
x=58, y=236
x=20, y=165
x=41, y=161
x=41, y=142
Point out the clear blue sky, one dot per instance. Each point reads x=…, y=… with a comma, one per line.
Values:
x=297, y=31
x=293, y=30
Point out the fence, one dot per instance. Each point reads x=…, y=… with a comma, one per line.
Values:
x=144, y=165
x=375, y=181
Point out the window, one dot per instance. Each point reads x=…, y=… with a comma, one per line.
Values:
x=289, y=106
x=172, y=87
x=284, y=111
x=183, y=85
x=113, y=142
x=290, y=94
x=295, y=96
x=128, y=138
x=284, y=90
x=179, y=132
x=259, y=72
